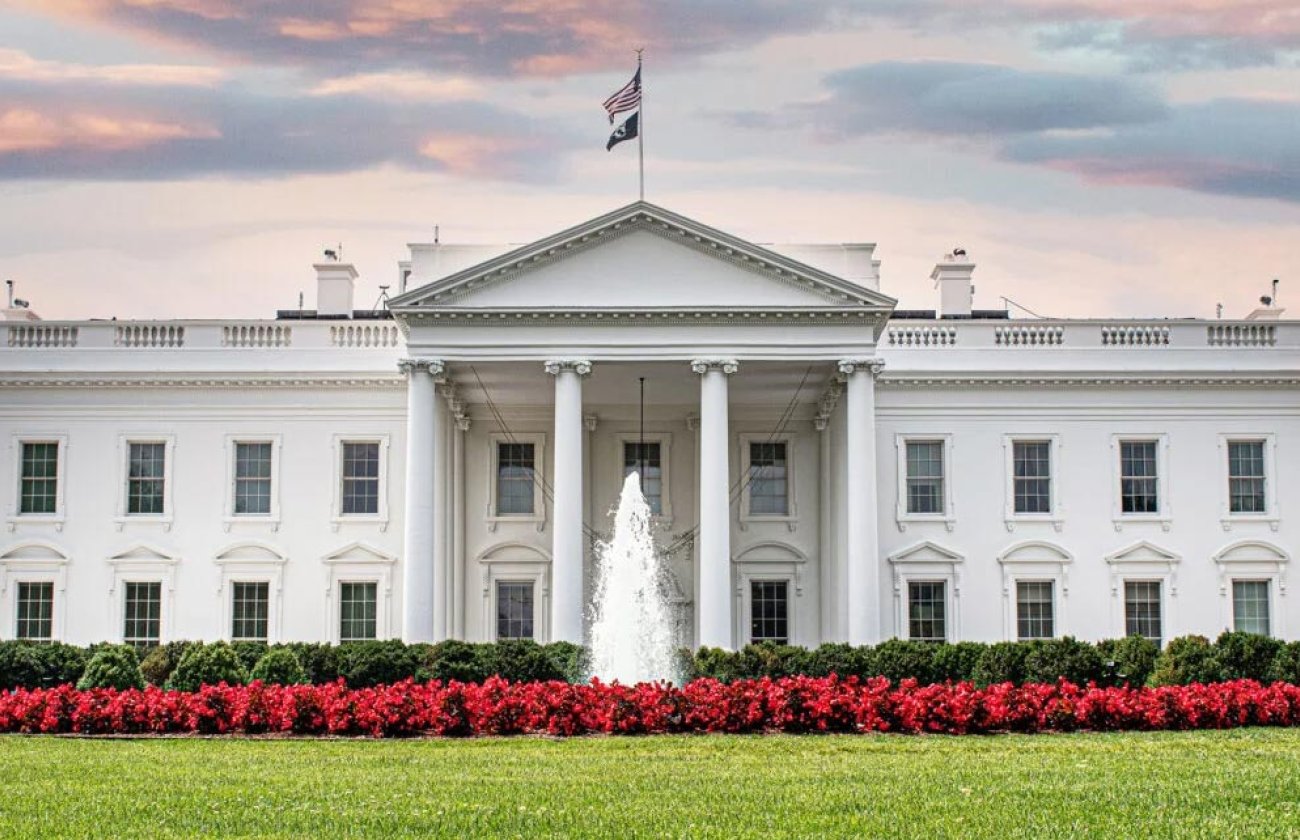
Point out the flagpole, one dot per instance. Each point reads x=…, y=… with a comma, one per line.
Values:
x=640, y=134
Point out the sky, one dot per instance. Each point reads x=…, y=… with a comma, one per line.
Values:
x=1096, y=158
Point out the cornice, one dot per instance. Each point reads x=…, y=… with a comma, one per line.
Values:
x=1171, y=380
x=785, y=317
x=61, y=381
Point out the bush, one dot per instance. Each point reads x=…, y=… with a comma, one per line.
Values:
x=320, y=661
x=250, y=653
x=455, y=660
x=208, y=664
x=1002, y=662
x=570, y=660
x=112, y=666
x=522, y=660
x=279, y=667
x=957, y=662
x=716, y=663
x=1186, y=660
x=1052, y=659
x=901, y=659
x=1245, y=656
x=26, y=664
x=371, y=663
x=840, y=659
x=159, y=663
x=1286, y=664
x=1130, y=660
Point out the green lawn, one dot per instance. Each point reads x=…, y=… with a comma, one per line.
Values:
x=1243, y=783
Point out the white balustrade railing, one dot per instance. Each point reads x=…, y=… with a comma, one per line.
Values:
x=1029, y=335
x=42, y=335
x=149, y=335
x=1135, y=335
x=1241, y=335
x=256, y=335
x=365, y=335
x=927, y=335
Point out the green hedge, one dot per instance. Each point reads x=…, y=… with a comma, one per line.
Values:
x=1134, y=660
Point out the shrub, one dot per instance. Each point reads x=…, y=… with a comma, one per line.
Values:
x=207, y=664
x=718, y=664
x=901, y=659
x=523, y=660
x=1065, y=658
x=159, y=663
x=1245, y=656
x=1185, y=660
x=249, y=653
x=371, y=663
x=278, y=666
x=31, y=665
x=839, y=659
x=1130, y=660
x=455, y=660
x=569, y=659
x=320, y=661
x=1286, y=664
x=112, y=666
x=957, y=662
x=1002, y=662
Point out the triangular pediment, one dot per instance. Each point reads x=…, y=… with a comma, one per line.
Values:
x=641, y=257
x=358, y=552
x=1143, y=552
x=926, y=552
x=143, y=553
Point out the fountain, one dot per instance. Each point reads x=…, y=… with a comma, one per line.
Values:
x=632, y=636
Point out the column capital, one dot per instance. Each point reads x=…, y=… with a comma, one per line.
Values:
x=589, y=422
x=703, y=366
x=462, y=422
x=872, y=366
x=582, y=367
x=434, y=366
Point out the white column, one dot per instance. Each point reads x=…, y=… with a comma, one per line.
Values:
x=713, y=604
x=422, y=434
x=863, y=551
x=458, y=569
x=566, y=550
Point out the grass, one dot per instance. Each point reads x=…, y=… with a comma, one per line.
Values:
x=1241, y=783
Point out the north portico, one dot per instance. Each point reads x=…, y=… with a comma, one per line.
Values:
x=745, y=354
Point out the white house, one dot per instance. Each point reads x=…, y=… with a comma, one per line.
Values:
x=823, y=467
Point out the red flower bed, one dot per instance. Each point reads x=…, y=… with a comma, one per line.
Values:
x=791, y=704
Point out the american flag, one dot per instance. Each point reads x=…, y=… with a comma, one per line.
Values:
x=625, y=98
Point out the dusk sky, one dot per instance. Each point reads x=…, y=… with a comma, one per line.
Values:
x=191, y=158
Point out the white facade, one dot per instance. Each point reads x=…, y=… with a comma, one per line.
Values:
x=320, y=478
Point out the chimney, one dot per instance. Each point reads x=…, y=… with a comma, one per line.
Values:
x=334, y=285
x=952, y=277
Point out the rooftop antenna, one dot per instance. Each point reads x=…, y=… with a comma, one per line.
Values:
x=435, y=234
x=300, y=301
x=383, y=298
x=1218, y=311
x=10, y=285
x=1275, y=284
x=1007, y=300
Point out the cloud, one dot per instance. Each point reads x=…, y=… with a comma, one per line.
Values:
x=66, y=132
x=471, y=37
x=399, y=85
x=20, y=66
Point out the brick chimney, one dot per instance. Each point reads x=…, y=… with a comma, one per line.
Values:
x=952, y=277
x=335, y=282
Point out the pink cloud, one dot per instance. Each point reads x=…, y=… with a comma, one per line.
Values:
x=29, y=130
x=17, y=65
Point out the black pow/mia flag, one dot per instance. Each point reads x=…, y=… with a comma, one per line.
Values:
x=626, y=131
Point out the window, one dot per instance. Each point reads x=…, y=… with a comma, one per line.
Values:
x=514, y=609
x=143, y=614
x=769, y=611
x=1032, y=475
x=35, y=611
x=253, y=478
x=1142, y=609
x=927, y=605
x=925, y=491
x=1246, y=476
x=1035, y=609
x=646, y=458
x=768, y=480
x=516, y=478
x=249, y=605
x=1139, y=482
x=1250, y=606
x=146, y=477
x=360, y=478
x=357, y=611
x=39, y=491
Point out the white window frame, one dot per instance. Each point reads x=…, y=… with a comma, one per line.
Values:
x=665, y=441
x=1055, y=517
x=949, y=515
x=381, y=516
x=1254, y=560
x=359, y=563
x=143, y=563
x=252, y=562
x=538, y=516
x=59, y=517
x=168, y=516
x=1271, y=515
x=1035, y=560
x=925, y=562
x=529, y=580
x=273, y=517
x=1145, y=561
x=791, y=517
x=49, y=564
x=1164, y=514
x=763, y=561
x=506, y=563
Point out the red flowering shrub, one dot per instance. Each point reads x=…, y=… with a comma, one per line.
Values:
x=786, y=704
